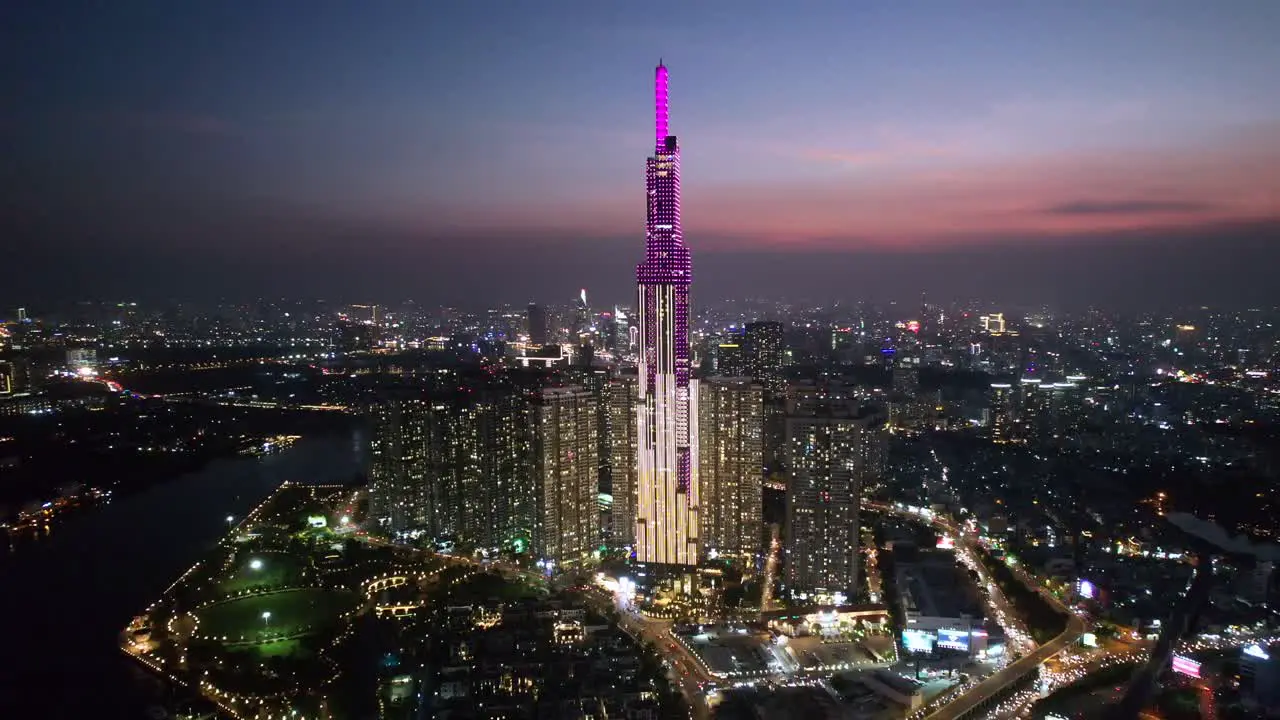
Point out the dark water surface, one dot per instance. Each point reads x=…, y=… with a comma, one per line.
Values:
x=65, y=597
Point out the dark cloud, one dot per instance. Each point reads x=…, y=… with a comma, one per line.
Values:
x=1127, y=207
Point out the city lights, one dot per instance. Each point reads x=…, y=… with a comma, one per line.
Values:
x=903, y=499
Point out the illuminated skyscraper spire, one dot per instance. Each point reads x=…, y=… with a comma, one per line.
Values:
x=666, y=529
x=660, y=104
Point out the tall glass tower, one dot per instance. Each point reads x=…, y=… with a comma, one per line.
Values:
x=666, y=414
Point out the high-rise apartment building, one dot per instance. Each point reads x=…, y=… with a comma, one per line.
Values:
x=1032, y=415
x=906, y=374
x=1068, y=408
x=731, y=466
x=565, y=449
x=764, y=352
x=623, y=397
x=835, y=446
x=729, y=360
x=667, y=491
x=1001, y=412
x=401, y=473
x=910, y=408
x=454, y=463
x=596, y=381
x=1051, y=411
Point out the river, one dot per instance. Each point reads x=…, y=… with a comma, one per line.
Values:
x=67, y=596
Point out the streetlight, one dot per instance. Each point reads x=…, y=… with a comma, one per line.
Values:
x=255, y=564
x=266, y=617
x=230, y=519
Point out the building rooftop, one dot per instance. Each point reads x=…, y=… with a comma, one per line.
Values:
x=901, y=684
x=935, y=586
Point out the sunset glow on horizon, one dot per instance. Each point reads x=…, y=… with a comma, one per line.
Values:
x=822, y=126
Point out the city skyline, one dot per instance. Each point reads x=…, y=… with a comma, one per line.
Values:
x=342, y=309
x=881, y=144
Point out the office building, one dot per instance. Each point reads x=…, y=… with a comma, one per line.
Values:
x=731, y=466
x=566, y=474
x=582, y=321
x=835, y=446
x=667, y=492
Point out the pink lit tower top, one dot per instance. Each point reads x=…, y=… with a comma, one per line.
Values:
x=666, y=530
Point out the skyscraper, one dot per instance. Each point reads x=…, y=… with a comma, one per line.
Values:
x=400, y=486
x=909, y=406
x=581, y=319
x=764, y=347
x=623, y=394
x=666, y=428
x=565, y=462
x=731, y=466
x=1000, y=417
x=454, y=461
x=729, y=360
x=764, y=352
x=835, y=447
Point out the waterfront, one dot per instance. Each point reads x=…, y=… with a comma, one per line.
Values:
x=70, y=593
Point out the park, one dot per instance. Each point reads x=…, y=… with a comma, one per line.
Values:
x=273, y=616
x=265, y=570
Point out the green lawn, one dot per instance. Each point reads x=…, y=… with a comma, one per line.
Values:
x=285, y=648
x=272, y=570
x=291, y=611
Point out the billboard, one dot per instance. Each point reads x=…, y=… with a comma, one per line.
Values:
x=917, y=641
x=1255, y=651
x=1186, y=666
x=952, y=639
x=1086, y=589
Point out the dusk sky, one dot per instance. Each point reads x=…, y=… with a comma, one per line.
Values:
x=494, y=151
